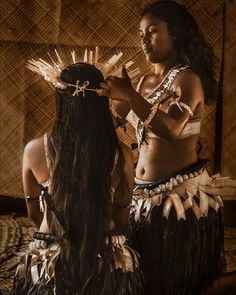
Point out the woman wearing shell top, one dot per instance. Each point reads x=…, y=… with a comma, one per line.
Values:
x=176, y=223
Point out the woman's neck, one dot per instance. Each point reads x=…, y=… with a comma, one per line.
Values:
x=162, y=68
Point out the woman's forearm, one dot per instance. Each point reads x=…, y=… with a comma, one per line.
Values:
x=162, y=124
x=33, y=210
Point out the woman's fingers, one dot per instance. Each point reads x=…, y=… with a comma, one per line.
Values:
x=110, y=78
x=104, y=85
x=223, y=191
x=100, y=92
x=222, y=182
x=114, y=87
x=125, y=73
x=103, y=92
x=222, y=186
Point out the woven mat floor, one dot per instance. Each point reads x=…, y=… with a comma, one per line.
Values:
x=16, y=233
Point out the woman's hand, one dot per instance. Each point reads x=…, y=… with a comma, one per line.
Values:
x=116, y=88
x=222, y=186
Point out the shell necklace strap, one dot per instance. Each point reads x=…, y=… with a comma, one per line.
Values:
x=164, y=84
x=155, y=96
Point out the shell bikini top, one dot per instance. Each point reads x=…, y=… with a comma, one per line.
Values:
x=142, y=133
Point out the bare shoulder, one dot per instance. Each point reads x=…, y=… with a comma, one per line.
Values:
x=34, y=145
x=191, y=88
x=34, y=150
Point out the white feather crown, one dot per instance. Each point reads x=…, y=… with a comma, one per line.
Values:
x=51, y=72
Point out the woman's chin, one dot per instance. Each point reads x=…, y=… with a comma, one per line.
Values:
x=151, y=57
x=154, y=59
x=148, y=56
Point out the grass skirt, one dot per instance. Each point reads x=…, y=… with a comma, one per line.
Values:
x=37, y=273
x=177, y=229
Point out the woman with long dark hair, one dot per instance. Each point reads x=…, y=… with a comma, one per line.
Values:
x=177, y=224
x=86, y=178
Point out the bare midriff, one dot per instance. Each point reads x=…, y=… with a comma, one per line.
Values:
x=159, y=159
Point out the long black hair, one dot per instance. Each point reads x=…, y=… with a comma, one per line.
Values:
x=189, y=41
x=82, y=148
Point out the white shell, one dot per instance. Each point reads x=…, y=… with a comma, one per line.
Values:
x=174, y=181
x=185, y=176
x=162, y=187
x=190, y=175
x=37, y=244
x=169, y=186
x=195, y=173
x=157, y=190
x=179, y=178
x=152, y=193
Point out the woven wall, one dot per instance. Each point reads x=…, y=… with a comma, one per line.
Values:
x=229, y=103
x=33, y=28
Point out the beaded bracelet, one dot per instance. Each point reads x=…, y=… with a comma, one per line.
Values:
x=47, y=237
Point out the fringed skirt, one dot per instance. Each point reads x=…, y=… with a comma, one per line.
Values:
x=36, y=273
x=177, y=229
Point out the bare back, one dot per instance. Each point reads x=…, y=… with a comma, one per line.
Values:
x=36, y=172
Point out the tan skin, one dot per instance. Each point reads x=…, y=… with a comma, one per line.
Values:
x=160, y=157
x=35, y=172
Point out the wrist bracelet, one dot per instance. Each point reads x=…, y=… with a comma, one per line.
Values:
x=47, y=237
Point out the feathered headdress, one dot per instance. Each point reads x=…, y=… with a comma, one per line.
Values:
x=51, y=72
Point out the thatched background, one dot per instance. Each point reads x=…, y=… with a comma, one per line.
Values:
x=31, y=28
x=229, y=106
